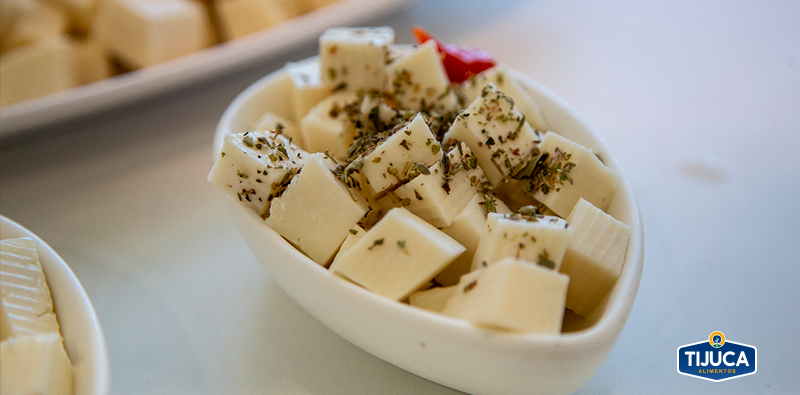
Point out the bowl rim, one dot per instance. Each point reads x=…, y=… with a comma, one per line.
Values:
x=607, y=328
x=54, y=266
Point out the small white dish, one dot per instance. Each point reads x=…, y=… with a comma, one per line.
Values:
x=80, y=328
x=441, y=349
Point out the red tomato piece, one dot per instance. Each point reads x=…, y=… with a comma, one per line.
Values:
x=459, y=62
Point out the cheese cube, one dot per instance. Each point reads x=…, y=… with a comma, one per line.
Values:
x=308, y=89
x=329, y=125
x=145, y=32
x=354, y=58
x=35, y=364
x=316, y=211
x=398, y=255
x=433, y=299
x=256, y=167
x=594, y=256
x=438, y=194
x=471, y=89
x=239, y=18
x=418, y=80
x=467, y=228
x=587, y=177
x=356, y=234
x=535, y=238
x=12, y=11
x=24, y=290
x=90, y=62
x=35, y=70
x=37, y=20
x=513, y=295
x=274, y=122
x=81, y=12
x=497, y=133
x=388, y=165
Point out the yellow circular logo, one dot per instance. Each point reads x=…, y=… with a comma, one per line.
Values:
x=716, y=339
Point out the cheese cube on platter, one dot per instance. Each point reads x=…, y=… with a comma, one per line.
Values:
x=418, y=80
x=594, y=257
x=535, y=238
x=329, y=125
x=145, y=32
x=471, y=89
x=388, y=165
x=572, y=172
x=308, y=89
x=256, y=167
x=317, y=210
x=497, y=133
x=242, y=17
x=354, y=58
x=34, y=70
x=35, y=364
x=398, y=255
x=512, y=295
x=23, y=289
x=36, y=20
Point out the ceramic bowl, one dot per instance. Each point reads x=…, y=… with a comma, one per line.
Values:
x=441, y=349
x=80, y=328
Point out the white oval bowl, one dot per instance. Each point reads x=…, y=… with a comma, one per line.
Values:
x=80, y=328
x=441, y=349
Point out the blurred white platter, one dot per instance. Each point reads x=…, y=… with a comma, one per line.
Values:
x=139, y=84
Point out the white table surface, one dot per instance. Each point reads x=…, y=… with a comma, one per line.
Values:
x=699, y=101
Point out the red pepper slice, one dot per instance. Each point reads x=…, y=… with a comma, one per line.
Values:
x=459, y=62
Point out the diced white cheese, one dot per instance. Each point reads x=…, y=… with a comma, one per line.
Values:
x=354, y=58
x=145, y=32
x=256, y=167
x=513, y=295
x=23, y=289
x=433, y=299
x=81, y=12
x=539, y=239
x=34, y=70
x=497, y=133
x=594, y=256
x=438, y=194
x=308, y=89
x=356, y=234
x=316, y=211
x=37, y=20
x=499, y=75
x=419, y=82
x=329, y=126
x=589, y=178
x=272, y=121
x=467, y=228
x=239, y=18
x=91, y=63
x=388, y=165
x=35, y=364
x=398, y=255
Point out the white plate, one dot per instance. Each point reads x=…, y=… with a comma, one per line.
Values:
x=441, y=349
x=129, y=87
x=80, y=328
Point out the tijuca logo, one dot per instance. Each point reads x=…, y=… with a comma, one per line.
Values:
x=717, y=359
